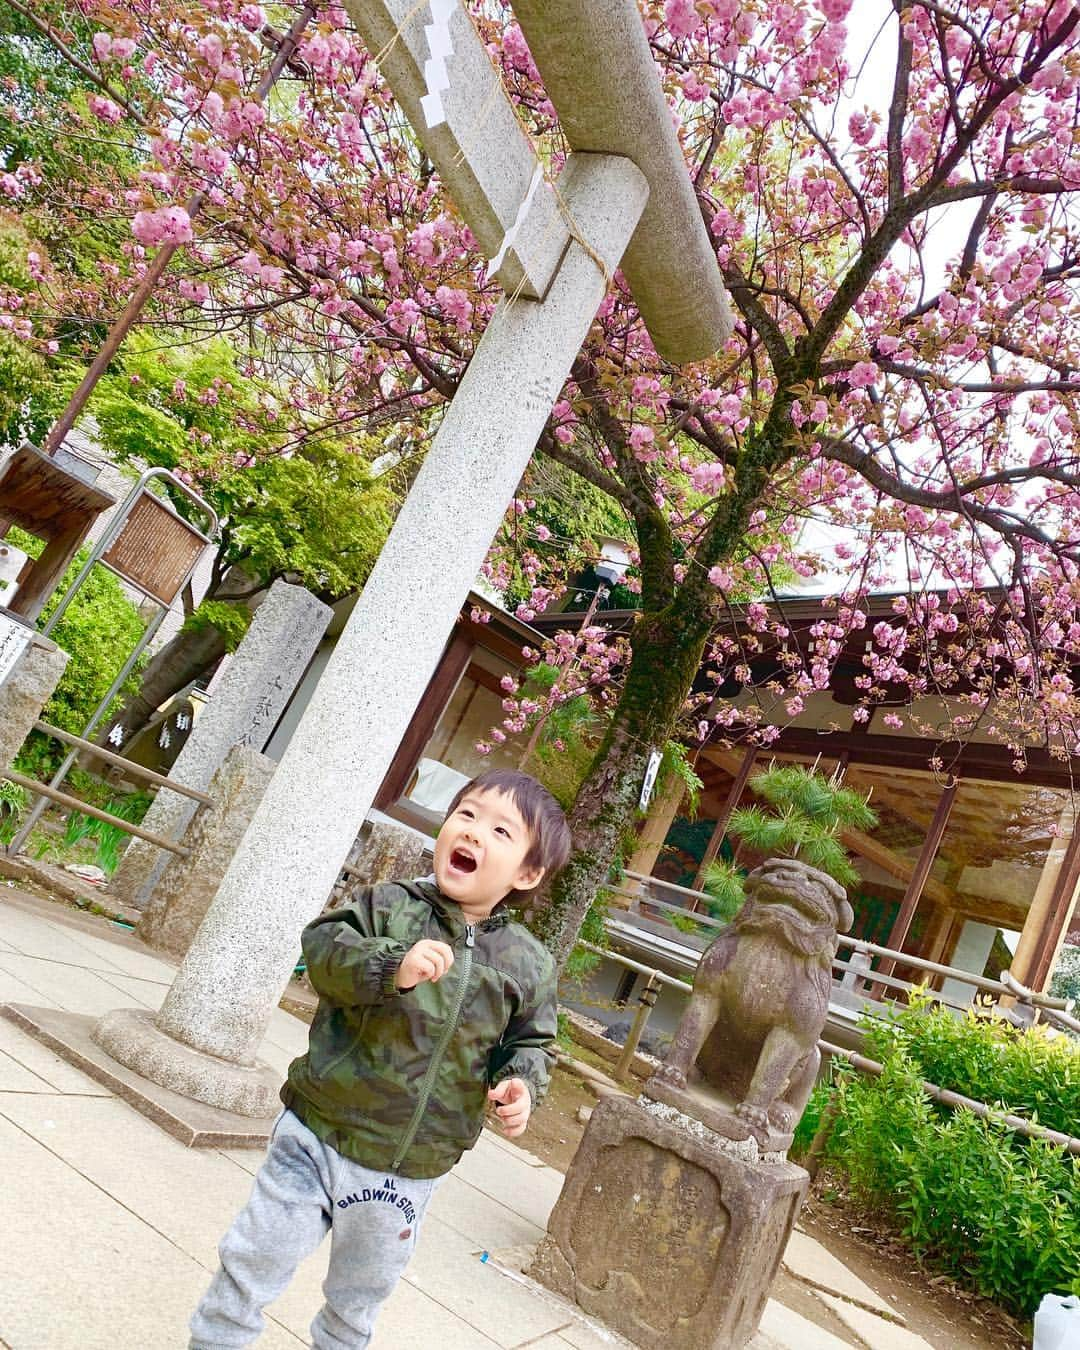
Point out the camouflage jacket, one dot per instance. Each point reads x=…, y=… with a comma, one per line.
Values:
x=399, y=1081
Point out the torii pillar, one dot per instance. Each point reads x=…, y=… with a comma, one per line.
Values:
x=556, y=249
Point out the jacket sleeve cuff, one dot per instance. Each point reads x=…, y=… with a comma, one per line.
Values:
x=385, y=970
x=531, y=1081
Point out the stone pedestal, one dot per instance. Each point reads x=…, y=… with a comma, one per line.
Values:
x=716, y=1111
x=669, y=1233
x=27, y=685
x=384, y=851
x=183, y=895
x=259, y=681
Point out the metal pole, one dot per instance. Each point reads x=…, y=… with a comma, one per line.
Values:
x=58, y=777
x=646, y=1002
x=161, y=260
x=136, y=770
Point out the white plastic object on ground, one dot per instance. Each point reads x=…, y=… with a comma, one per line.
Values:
x=1057, y=1323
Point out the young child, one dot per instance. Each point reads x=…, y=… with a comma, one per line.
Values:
x=431, y=1004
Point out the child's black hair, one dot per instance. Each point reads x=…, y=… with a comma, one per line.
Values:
x=543, y=816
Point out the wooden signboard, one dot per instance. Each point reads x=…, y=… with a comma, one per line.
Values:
x=155, y=549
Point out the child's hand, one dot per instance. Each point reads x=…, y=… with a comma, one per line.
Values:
x=516, y=1105
x=426, y=960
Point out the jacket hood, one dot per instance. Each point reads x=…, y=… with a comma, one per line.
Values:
x=426, y=888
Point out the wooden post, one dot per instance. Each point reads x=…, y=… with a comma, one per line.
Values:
x=738, y=786
x=927, y=854
x=936, y=938
x=656, y=826
x=44, y=576
x=1047, y=922
x=646, y=1002
x=440, y=690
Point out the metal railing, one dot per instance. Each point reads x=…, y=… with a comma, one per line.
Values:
x=857, y=977
x=50, y=793
x=1019, y=1124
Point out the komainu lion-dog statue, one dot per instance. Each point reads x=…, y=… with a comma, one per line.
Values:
x=745, y=1057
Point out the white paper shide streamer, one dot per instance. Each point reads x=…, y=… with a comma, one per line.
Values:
x=519, y=220
x=440, y=49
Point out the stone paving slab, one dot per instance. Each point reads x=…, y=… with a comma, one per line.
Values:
x=123, y=956
x=14, y=990
x=812, y=1263
x=143, y=993
x=515, y=1150
x=498, y=1173
x=876, y=1332
x=45, y=938
x=76, y=1269
x=14, y=1077
x=188, y=1196
x=788, y=1328
x=411, y=1318
x=582, y=1337
x=74, y=988
x=447, y=1267
x=470, y=1212
x=37, y=930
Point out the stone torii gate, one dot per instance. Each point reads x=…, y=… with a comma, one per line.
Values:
x=623, y=198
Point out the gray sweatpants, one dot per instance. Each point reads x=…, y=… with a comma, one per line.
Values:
x=302, y=1189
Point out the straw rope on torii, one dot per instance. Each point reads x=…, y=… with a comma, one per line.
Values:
x=598, y=72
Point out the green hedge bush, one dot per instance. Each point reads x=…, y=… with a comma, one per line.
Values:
x=997, y=1210
x=1032, y=1073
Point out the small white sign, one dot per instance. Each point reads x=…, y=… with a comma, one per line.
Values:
x=652, y=769
x=14, y=640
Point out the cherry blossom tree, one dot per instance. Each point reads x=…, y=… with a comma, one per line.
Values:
x=901, y=251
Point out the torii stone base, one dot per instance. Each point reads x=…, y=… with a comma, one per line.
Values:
x=665, y=1232
x=192, y=1122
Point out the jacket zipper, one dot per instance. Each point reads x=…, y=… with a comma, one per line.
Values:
x=440, y=1050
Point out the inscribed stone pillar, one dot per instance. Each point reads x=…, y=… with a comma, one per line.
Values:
x=258, y=682
x=216, y=1012
x=183, y=895
x=27, y=685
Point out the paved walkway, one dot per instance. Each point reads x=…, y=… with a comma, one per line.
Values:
x=110, y=1226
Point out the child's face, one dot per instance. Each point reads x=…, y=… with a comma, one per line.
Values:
x=480, y=853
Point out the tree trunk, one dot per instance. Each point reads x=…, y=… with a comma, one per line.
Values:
x=188, y=656
x=667, y=651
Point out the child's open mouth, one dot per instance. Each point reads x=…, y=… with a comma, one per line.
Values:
x=461, y=861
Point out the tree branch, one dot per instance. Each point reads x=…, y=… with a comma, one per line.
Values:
x=1004, y=523
x=897, y=109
